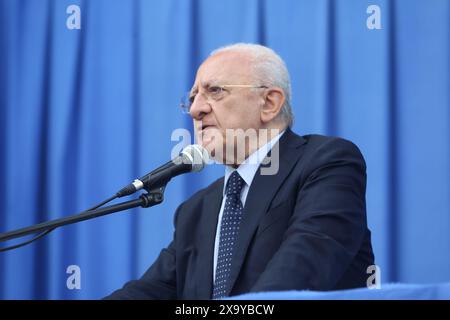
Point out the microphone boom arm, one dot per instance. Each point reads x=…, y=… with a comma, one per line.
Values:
x=146, y=200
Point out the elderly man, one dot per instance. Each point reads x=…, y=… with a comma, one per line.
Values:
x=299, y=226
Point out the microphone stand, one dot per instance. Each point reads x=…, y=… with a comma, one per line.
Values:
x=153, y=197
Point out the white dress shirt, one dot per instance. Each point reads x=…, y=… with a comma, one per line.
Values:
x=247, y=171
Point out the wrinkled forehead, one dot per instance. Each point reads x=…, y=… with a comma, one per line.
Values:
x=225, y=68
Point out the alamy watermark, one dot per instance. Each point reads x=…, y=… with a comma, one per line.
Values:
x=74, y=280
x=234, y=146
x=374, y=280
x=73, y=21
x=373, y=22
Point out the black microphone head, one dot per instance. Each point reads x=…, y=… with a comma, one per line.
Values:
x=195, y=155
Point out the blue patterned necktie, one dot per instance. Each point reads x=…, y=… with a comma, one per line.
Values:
x=231, y=219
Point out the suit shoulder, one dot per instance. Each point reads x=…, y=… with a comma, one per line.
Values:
x=330, y=147
x=317, y=141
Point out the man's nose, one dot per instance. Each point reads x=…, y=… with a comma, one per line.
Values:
x=200, y=107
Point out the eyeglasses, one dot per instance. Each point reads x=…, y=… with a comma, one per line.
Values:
x=213, y=93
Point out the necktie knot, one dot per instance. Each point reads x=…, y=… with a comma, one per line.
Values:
x=234, y=184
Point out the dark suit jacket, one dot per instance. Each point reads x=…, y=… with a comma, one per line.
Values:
x=303, y=228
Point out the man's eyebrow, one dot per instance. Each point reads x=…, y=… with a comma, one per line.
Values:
x=204, y=84
x=193, y=90
x=209, y=83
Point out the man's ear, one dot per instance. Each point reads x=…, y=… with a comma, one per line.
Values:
x=274, y=100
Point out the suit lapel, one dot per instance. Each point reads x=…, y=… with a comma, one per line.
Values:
x=210, y=209
x=261, y=193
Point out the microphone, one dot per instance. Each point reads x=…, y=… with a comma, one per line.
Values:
x=191, y=159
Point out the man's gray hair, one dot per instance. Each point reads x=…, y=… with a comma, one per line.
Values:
x=270, y=69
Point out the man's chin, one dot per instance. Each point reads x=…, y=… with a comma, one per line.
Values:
x=214, y=150
x=209, y=142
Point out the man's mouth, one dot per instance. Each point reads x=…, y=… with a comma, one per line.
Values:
x=206, y=127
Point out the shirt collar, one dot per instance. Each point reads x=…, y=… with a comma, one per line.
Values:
x=248, y=168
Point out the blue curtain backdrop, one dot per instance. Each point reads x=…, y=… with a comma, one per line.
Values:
x=84, y=111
